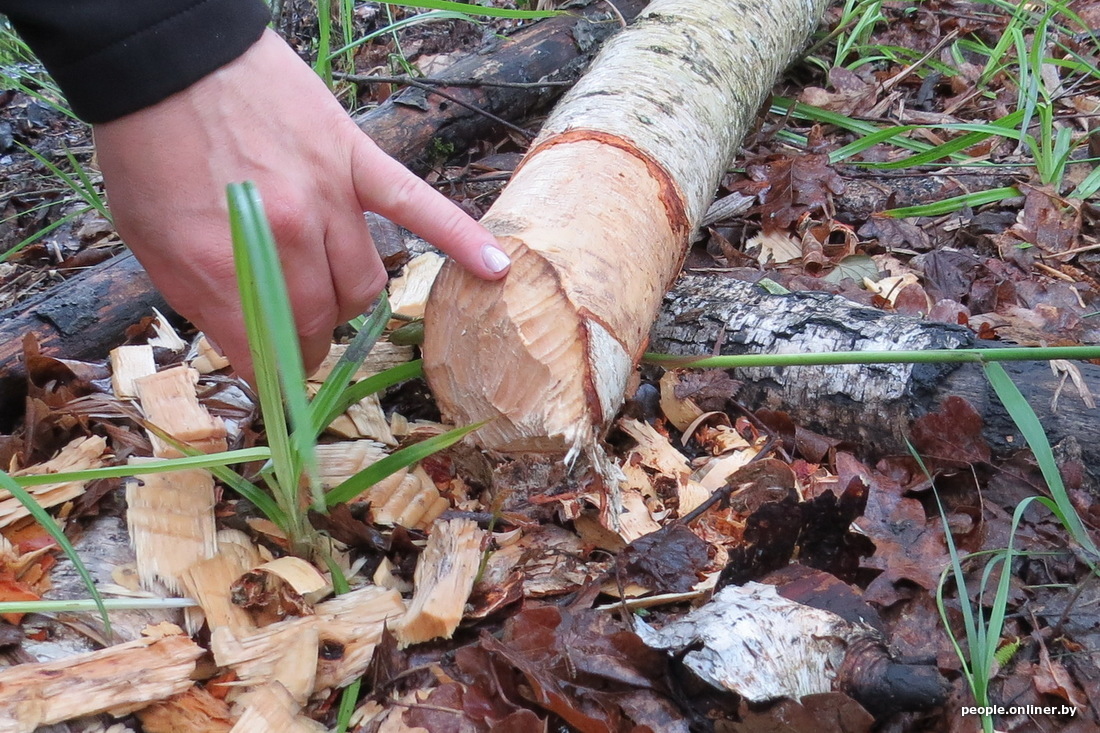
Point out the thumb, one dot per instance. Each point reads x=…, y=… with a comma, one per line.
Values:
x=388, y=188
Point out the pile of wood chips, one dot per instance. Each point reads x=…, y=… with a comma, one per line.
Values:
x=268, y=646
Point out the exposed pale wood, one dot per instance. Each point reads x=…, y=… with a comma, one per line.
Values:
x=414, y=503
x=353, y=621
x=170, y=517
x=209, y=582
x=300, y=575
x=194, y=711
x=33, y=695
x=270, y=708
x=597, y=218
x=129, y=363
x=370, y=421
x=383, y=356
x=337, y=462
x=443, y=578
x=89, y=313
x=409, y=290
x=681, y=412
x=78, y=455
x=165, y=335
x=169, y=401
x=207, y=360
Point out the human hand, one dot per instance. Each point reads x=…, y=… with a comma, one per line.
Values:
x=266, y=117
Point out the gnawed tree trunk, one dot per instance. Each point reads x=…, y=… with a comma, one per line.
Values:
x=597, y=220
x=870, y=405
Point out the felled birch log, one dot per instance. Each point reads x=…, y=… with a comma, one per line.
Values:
x=597, y=219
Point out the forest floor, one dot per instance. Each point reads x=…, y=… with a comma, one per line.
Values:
x=1020, y=267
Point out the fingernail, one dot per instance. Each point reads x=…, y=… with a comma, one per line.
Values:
x=494, y=258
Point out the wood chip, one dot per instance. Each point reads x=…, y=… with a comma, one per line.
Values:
x=129, y=363
x=443, y=578
x=170, y=517
x=271, y=709
x=209, y=583
x=207, y=359
x=300, y=575
x=33, y=695
x=680, y=411
x=79, y=455
x=383, y=356
x=164, y=335
x=194, y=711
x=409, y=290
x=351, y=624
x=169, y=401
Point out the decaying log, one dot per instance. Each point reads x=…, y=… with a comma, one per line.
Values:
x=169, y=400
x=444, y=577
x=556, y=49
x=870, y=405
x=32, y=695
x=597, y=219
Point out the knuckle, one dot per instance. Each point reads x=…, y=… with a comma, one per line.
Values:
x=317, y=321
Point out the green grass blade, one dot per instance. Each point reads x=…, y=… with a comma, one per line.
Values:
x=1003, y=127
x=334, y=385
x=434, y=15
x=948, y=205
x=348, y=699
x=273, y=341
x=162, y=466
x=54, y=529
x=254, y=494
x=16, y=248
x=1085, y=189
x=360, y=482
x=371, y=385
x=475, y=9
x=1027, y=422
x=84, y=606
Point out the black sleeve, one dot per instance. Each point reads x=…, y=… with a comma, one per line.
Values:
x=113, y=57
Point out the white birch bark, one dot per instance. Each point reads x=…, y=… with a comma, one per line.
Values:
x=597, y=220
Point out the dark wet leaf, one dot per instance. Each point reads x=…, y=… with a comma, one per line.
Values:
x=951, y=436
x=669, y=560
